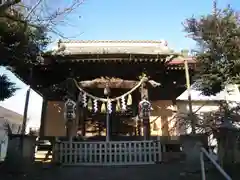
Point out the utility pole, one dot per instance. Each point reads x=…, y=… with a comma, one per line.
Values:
x=191, y=116
x=25, y=113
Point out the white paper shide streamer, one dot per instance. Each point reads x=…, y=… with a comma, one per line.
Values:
x=124, y=107
x=109, y=107
x=84, y=99
x=95, y=105
x=85, y=96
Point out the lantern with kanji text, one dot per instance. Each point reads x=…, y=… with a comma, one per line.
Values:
x=69, y=113
x=144, y=109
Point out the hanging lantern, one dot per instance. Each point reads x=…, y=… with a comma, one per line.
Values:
x=129, y=100
x=144, y=109
x=69, y=112
x=89, y=104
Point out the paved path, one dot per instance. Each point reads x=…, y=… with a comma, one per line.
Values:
x=146, y=172
x=173, y=171
x=151, y=172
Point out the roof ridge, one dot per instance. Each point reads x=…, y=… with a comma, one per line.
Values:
x=113, y=41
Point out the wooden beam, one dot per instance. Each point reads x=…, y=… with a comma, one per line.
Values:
x=113, y=83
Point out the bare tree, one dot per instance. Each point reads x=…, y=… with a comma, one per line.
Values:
x=43, y=13
x=7, y=4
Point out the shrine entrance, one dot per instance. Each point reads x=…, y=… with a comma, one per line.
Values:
x=110, y=151
x=116, y=109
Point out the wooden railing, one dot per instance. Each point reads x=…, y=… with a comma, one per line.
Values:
x=107, y=153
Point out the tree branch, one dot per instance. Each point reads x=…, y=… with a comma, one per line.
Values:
x=8, y=4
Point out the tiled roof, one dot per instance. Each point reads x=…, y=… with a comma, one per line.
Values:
x=11, y=116
x=115, y=41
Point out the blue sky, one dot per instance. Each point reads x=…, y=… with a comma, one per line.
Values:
x=127, y=20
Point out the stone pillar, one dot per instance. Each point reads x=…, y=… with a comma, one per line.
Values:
x=191, y=146
x=18, y=159
x=227, y=145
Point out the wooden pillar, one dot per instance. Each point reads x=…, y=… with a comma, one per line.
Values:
x=70, y=117
x=78, y=109
x=80, y=116
x=83, y=121
x=146, y=121
x=139, y=125
x=43, y=117
x=111, y=126
x=69, y=126
x=135, y=113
